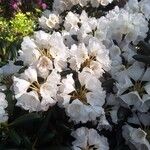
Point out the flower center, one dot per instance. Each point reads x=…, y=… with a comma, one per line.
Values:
x=46, y=52
x=80, y=94
x=43, y=62
x=148, y=133
x=139, y=88
x=88, y=61
x=35, y=86
x=89, y=147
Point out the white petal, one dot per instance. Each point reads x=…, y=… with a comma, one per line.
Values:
x=20, y=86
x=29, y=101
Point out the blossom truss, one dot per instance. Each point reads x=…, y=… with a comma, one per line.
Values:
x=88, y=139
x=125, y=26
x=33, y=94
x=82, y=26
x=142, y=6
x=82, y=97
x=49, y=20
x=45, y=52
x=62, y=5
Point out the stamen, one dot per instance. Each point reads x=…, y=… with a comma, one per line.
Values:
x=35, y=86
x=45, y=52
x=88, y=61
x=139, y=88
x=80, y=94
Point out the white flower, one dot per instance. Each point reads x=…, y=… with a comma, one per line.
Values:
x=94, y=58
x=138, y=118
x=83, y=2
x=144, y=118
x=146, y=76
x=135, y=137
x=28, y=53
x=79, y=112
x=88, y=139
x=68, y=40
x=35, y=96
x=49, y=20
x=52, y=21
x=114, y=114
x=29, y=101
x=22, y=84
x=62, y=5
x=49, y=89
x=71, y=21
x=103, y=124
x=87, y=23
x=128, y=52
x=133, y=99
x=133, y=26
x=102, y=28
x=123, y=81
x=3, y=105
x=83, y=103
x=44, y=65
x=112, y=100
x=115, y=55
x=145, y=7
x=136, y=71
x=95, y=3
x=132, y=6
x=44, y=52
x=147, y=88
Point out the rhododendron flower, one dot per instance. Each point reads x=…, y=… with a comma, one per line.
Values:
x=82, y=102
x=35, y=96
x=88, y=139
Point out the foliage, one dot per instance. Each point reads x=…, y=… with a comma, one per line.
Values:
x=12, y=32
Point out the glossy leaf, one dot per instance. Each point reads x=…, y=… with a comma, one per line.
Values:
x=25, y=119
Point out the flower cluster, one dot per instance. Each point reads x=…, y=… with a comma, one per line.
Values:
x=85, y=65
x=62, y=5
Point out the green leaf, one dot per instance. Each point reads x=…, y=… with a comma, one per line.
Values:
x=25, y=119
x=2, y=146
x=47, y=138
x=11, y=102
x=59, y=148
x=142, y=58
x=26, y=142
x=144, y=47
x=42, y=130
x=15, y=137
x=44, y=124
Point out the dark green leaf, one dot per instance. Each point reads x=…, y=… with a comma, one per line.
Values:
x=26, y=142
x=44, y=124
x=42, y=131
x=47, y=138
x=11, y=102
x=142, y=58
x=59, y=148
x=25, y=119
x=2, y=146
x=144, y=48
x=15, y=137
